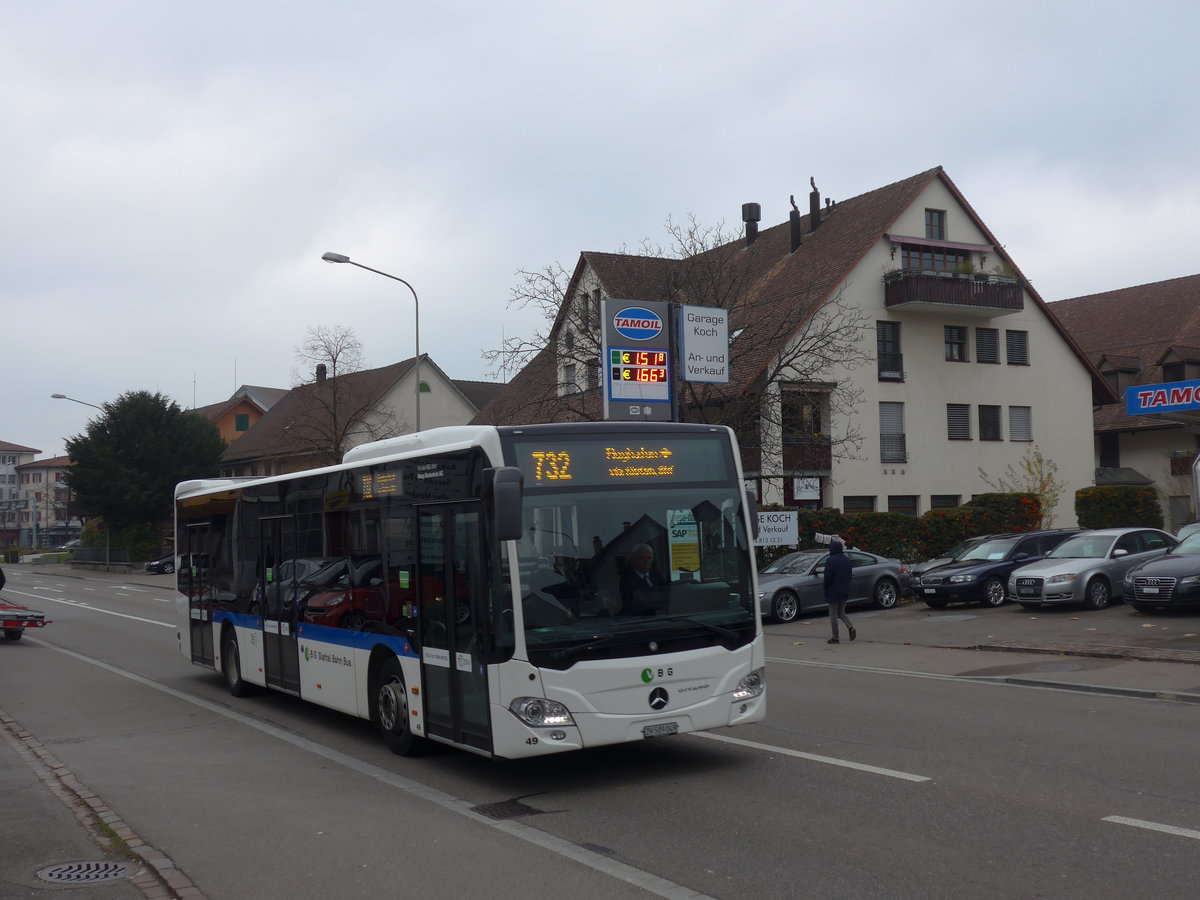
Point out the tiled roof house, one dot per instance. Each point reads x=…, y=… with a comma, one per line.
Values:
x=1143, y=335
x=943, y=353
x=314, y=424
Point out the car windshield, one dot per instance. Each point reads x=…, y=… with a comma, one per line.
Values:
x=959, y=549
x=1084, y=546
x=1189, y=546
x=988, y=550
x=793, y=563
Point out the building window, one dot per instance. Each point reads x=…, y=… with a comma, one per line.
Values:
x=936, y=259
x=1017, y=343
x=905, y=504
x=593, y=374
x=241, y=422
x=935, y=224
x=956, y=343
x=1020, y=427
x=989, y=423
x=987, y=345
x=958, y=421
x=892, y=447
x=852, y=505
x=424, y=389
x=801, y=415
x=887, y=351
x=1173, y=371
x=943, y=501
x=570, y=386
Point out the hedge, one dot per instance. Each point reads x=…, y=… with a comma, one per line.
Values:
x=1118, y=506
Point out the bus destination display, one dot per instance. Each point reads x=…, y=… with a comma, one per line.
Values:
x=639, y=374
x=590, y=463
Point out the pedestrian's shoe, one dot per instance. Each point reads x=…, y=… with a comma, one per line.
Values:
x=833, y=641
x=853, y=633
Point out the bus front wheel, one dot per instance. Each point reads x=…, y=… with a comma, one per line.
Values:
x=391, y=707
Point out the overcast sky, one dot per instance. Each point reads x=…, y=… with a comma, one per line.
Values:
x=173, y=171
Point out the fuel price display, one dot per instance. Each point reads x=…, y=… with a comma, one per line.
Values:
x=639, y=374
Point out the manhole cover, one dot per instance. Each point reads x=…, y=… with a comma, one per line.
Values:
x=507, y=809
x=86, y=872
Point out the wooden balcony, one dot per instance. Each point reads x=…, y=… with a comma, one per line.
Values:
x=808, y=456
x=981, y=294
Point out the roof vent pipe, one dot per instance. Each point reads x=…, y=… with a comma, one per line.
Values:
x=751, y=214
x=814, y=206
x=794, y=221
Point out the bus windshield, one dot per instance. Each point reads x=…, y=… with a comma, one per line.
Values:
x=605, y=573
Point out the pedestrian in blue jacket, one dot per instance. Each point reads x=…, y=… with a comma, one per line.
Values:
x=837, y=589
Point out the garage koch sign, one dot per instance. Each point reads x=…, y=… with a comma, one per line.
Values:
x=777, y=529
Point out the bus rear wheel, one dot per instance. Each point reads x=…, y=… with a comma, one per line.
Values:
x=392, y=713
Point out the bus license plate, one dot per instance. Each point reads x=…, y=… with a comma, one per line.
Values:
x=660, y=730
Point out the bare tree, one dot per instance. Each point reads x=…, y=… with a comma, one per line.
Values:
x=339, y=405
x=336, y=347
x=789, y=354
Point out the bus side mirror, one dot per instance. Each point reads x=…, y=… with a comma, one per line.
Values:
x=506, y=494
x=752, y=512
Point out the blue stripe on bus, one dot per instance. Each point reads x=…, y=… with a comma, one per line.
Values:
x=324, y=634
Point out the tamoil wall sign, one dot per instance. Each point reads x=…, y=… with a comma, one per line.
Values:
x=637, y=360
x=1175, y=396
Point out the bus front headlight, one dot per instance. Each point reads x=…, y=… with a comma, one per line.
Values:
x=751, y=685
x=539, y=712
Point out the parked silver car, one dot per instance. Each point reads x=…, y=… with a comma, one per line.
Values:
x=1088, y=568
x=794, y=583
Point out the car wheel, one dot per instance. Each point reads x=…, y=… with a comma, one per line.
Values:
x=1031, y=606
x=231, y=665
x=935, y=604
x=354, y=620
x=391, y=711
x=1096, y=595
x=994, y=593
x=785, y=606
x=169, y=568
x=13, y=634
x=886, y=594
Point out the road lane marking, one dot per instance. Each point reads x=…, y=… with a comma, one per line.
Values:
x=812, y=757
x=1155, y=826
x=647, y=881
x=81, y=605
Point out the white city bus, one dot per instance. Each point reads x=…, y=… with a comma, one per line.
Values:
x=476, y=585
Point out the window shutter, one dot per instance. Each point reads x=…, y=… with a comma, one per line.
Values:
x=958, y=421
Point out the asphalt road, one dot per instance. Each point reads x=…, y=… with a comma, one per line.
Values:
x=900, y=765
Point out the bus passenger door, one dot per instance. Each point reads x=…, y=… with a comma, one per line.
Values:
x=195, y=582
x=453, y=607
x=281, y=655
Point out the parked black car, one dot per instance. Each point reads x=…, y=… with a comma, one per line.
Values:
x=980, y=574
x=1168, y=582
x=164, y=566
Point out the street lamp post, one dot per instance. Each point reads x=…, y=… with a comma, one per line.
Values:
x=73, y=400
x=341, y=258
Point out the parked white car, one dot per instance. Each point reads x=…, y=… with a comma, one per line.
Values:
x=1088, y=568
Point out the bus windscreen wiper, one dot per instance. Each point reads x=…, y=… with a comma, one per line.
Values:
x=570, y=654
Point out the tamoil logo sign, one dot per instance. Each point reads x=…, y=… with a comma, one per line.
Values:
x=636, y=323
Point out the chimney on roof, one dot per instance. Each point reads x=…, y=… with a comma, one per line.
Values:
x=794, y=221
x=751, y=213
x=321, y=370
x=814, y=206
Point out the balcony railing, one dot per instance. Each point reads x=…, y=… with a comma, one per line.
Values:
x=983, y=291
x=891, y=366
x=810, y=456
x=893, y=448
